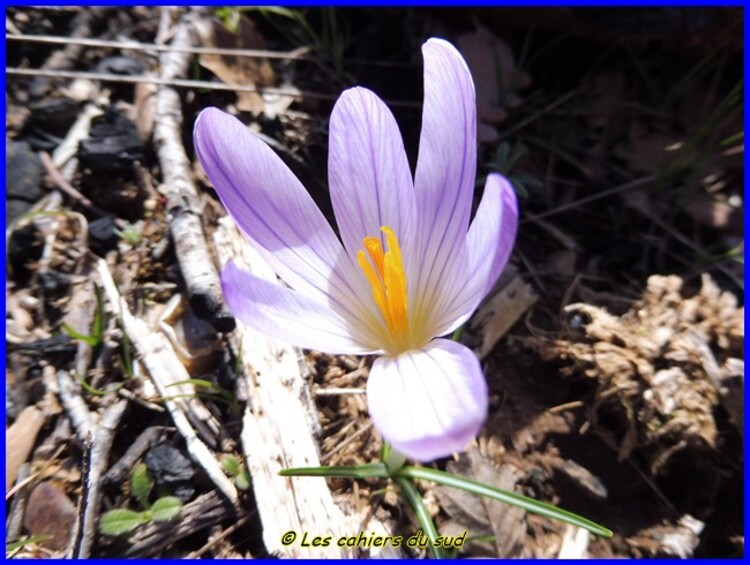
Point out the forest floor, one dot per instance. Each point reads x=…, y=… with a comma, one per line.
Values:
x=613, y=344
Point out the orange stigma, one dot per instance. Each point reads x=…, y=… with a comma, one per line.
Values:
x=388, y=281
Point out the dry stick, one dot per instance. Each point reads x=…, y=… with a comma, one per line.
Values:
x=70, y=397
x=14, y=523
x=164, y=367
x=299, y=54
x=137, y=46
x=76, y=534
x=339, y=391
x=188, y=83
x=79, y=131
x=198, y=271
x=104, y=434
x=347, y=441
x=143, y=442
x=222, y=536
x=276, y=432
x=203, y=512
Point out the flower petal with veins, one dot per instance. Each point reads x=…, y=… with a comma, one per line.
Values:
x=290, y=316
x=428, y=402
x=368, y=173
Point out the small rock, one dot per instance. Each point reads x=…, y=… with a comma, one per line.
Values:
x=51, y=119
x=23, y=173
x=113, y=145
x=102, y=235
x=25, y=246
x=171, y=470
x=49, y=512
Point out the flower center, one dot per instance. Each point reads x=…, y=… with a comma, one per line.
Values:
x=388, y=281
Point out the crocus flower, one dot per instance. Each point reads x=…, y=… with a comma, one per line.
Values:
x=408, y=267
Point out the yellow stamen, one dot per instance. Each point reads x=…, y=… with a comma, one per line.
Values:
x=375, y=250
x=378, y=292
x=388, y=281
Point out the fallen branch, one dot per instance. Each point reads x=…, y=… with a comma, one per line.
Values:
x=104, y=434
x=70, y=397
x=119, y=471
x=277, y=432
x=185, y=208
x=203, y=512
x=164, y=368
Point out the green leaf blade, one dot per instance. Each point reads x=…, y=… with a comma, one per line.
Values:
x=423, y=515
x=166, y=508
x=141, y=484
x=121, y=521
x=528, y=504
x=88, y=339
x=369, y=470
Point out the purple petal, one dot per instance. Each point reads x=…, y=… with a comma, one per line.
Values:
x=289, y=316
x=428, y=403
x=493, y=231
x=268, y=202
x=446, y=168
x=488, y=246
x=368, y=172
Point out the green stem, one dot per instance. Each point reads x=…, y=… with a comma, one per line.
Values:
x=528, y=504
x=393, y=459
x=378, y=470
x=423, y=515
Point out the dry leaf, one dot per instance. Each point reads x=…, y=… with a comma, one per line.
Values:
x=247, y=71
x=502, y=310
x=481, y=515
x=20, y=438
x=496, y=76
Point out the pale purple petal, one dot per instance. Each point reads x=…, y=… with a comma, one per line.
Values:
x=289, y=316
x=278, y=215
x=268, y=202
x=493, y=231
x=368, y=172
x=428, y=403
x=488, y=245
x=446, y=167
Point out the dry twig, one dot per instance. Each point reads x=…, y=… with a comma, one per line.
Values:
x=165, y=368
x=277, y=433
x=71, y=399
x=104, y=434
x=203, y=512
x=198, y=271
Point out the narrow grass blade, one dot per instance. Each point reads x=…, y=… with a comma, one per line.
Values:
x=528, y=504
x=378, y=470
x=89, y=339
x=423, y=515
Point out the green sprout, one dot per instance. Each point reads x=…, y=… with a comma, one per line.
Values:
x=120, y=521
